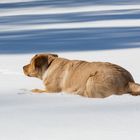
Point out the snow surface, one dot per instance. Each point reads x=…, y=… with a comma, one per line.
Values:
x=87, y=30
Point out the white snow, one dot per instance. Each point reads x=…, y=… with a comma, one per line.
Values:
x=41, y=10
x=61, y=116
x=14, y=1
x=76, y=25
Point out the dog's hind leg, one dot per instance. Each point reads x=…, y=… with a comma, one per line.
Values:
x=96, y=90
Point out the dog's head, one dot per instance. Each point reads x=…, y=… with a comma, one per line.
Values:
x=38, y=65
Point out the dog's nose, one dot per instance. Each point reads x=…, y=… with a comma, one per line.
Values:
x=23, y=67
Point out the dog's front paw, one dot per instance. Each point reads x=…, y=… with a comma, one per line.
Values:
x=37, y=91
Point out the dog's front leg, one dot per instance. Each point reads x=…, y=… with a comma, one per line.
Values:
x=39, y=91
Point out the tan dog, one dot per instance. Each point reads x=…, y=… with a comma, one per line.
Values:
x=90, y=79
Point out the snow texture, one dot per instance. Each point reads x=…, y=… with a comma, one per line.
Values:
x=91, y=30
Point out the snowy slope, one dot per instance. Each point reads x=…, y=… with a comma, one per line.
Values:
x=87, y=30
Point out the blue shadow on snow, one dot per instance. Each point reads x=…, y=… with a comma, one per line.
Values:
x=69, y=40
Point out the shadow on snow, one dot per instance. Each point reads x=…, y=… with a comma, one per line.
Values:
x=69, y=40
x=34, y=41
x=63, y=3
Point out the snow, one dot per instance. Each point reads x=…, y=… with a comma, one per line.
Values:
x=14, y=1
x=77, y=25
x=41, y=10
x=90, y=32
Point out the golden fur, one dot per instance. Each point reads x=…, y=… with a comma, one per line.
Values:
x=90, y=79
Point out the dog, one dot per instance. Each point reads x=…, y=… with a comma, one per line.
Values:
x=89, y=79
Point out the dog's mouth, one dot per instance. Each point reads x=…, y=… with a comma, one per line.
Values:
x=25, y=71
x=27, y=74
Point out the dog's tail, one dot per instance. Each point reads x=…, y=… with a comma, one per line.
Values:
x=134, y=88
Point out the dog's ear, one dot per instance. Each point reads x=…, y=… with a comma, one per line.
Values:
x=40, y=61
x=54, y=55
